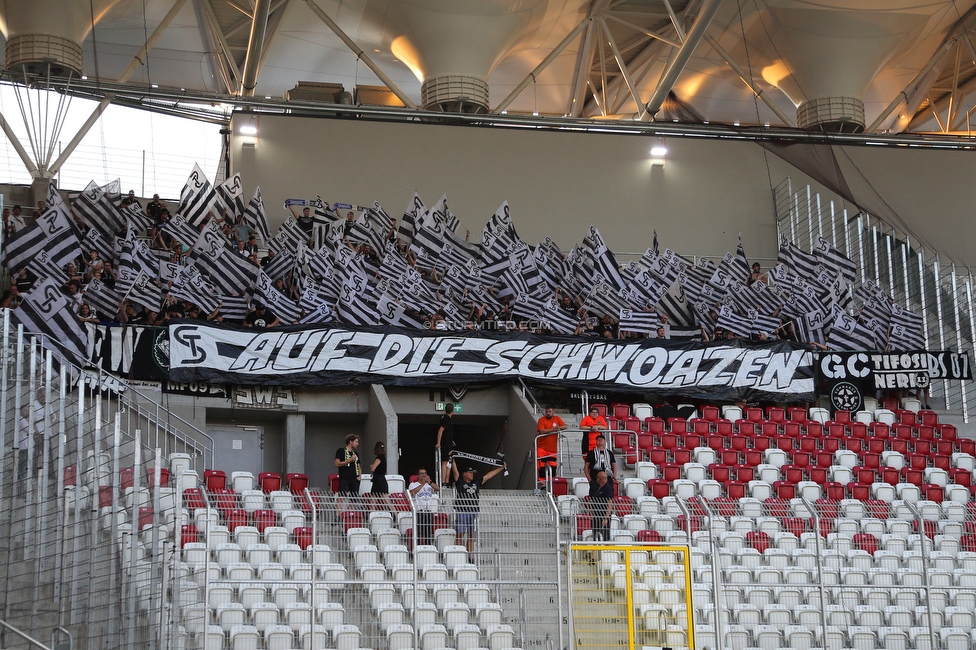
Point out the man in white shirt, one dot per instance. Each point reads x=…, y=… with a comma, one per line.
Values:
x=424, y=492
x=600, y=459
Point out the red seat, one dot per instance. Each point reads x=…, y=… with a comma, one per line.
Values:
x=901, y=446
x=235, y=518
x=801, y=459
x=716, y=442
x=125, y=478
x=859, y=430
x=334, y=482
x=583, y=522
x=188, y=535
x=145, y=516
x=659, y=488
x=671, y=440
x=836, y=430
x=613, y=424
x=753, y=457
x=784, y=442
x=942, y=462
x=223, y=499
x=923, y=446
x=723, y=427
x=967, y=446
x=925, y=432
x=769, y=428
x=928, y=418
x=795, y=525
x=880, y=430
x=824, y=459
x=797, y=414
x=758, y=540
x=214, y=479
x=784, y=490
x=633, y=424
x=866, y=542
x=932, y=492
x=649, y=536
x=730, y=457
x=701, y=426
x=792, y=429
x=864, y=475
x=263, y=519
x=817, y=474
x=724, y=506
x=645, y=442
x=913, y=476
x=692, y=525
x=745, y=473
x=961, y=476
x=754, y=414
x=681, y=456
x=877, y=508
x=560, y=486
x=791, y=474
x=693, y=440
x=830, y=444
x=303, y=536
x=621, y=439
x=105, y=496
x=809, y=443
x=621, y=411
x=889, y=475
x=657, y=456
x=947, y=431
x=876, y=445
x=678, y=425
x=150, y=476
x=735, y=489
x=828, y=508
x=834, y=491
x=738, y=442
x=601, y=409
x=269, y=482
x=930, y=528
x=776, y=414
x=968, y=543
x=903, y=431
x=917, y=461
x=777, y=506
x=853, y=444
x=871, y=460
x=842, y=416
x=719, y=472
x=762, y=442
x=623, y=506
x=70, y=475
x=815, y=429
x=859, y=491
x=943, y=447
x=746, y=427
x=193, y=499
x=654, y=425
x=906, y=417
x=710, y=413
x=297, y=483
x=671, y=471
x=890, y=404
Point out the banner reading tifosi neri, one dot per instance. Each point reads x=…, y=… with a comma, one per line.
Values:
x=324, y=355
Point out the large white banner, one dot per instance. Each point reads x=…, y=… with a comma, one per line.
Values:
x=324, y=355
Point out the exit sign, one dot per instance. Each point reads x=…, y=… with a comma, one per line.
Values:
x=439, y=406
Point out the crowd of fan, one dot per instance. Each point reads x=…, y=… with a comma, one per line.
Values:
x=244, y=240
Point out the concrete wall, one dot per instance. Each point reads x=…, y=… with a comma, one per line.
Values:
x=559, y=183
x=520, y=439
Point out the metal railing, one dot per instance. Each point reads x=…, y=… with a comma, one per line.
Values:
x=914, y=276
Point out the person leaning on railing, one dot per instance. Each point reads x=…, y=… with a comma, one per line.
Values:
x=592, y=425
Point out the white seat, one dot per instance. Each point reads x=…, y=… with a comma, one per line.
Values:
x=885, y=416
x=276, y=537
x=866, y=417
x=894, y=459
x=467, y=637
x=433, y=637
x=760, y=490
x=290, y=555
x=258, y=554
x=399, y=637
x=241, y=481
x=957, y=493
x=244, y=637
x=444, y=537
x=389, y=614
x=356, y=537
x=685, y=489
x=330, y=614
x=775, y=457
x=936, y=476
x=230, y=615
x=704, y=456
x=809, y=490
x=963, y=461
x=845, y=458
x=893, y=638
x=271, y=571
x=819, y=414
x=278, y=637
x=346, y=637
x=799, y=637
x=252, y=500
x=313, y=637
x=908, y=492
x=634, y=487
x=500, y=637
x=298, y=615
x=862, y=638
x=455, y=614
x=767, y=637
x=263, y=615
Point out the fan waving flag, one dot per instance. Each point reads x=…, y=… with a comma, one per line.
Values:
x=279, y=303
x=605, y=263
x=847, y=334
x=642, y=322
x=230, y=195
x=835, y=260
x=49, y=242
x=45, y=310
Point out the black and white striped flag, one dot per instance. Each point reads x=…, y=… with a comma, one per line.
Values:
x=321, y=314
x=605, y=263
x=48, y=243
x=603, y=300
x=409, y=218
x=180, y=229
x=796, y=260
x=102, y=298
x=136, y=218
x=45, y=310
x=906, y=329
x=289, y=236
x=98, y=213
x=230, y=196
x=255, y=217
x=642, y=322
x=847, y=334
x=280, y=265
x=233, y=308
x=527, y=306
x=197, y=198
x=835, y=260
x=283, y=306
x=558, y=319
x=676, y=305
x=730, y=321
x=144, y=291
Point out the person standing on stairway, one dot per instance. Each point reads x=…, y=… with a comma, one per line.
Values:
x=467, y=487
x=445, y=440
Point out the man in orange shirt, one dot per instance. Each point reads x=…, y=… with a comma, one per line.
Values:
x=592, y=425
x=547, y=445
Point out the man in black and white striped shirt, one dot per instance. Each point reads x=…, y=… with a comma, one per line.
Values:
x=600, y=459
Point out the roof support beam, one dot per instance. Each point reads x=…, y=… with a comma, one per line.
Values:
x=358, y=51
x=225, y=50
x=130, y=69
x=18, y=147
x=542, y=66
x=255, y=47
x=577, y=92
x=749, y=82
x=247, y=23
x=274, y=25
x=623, y=67
x=940, y=104
x=677, y=64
